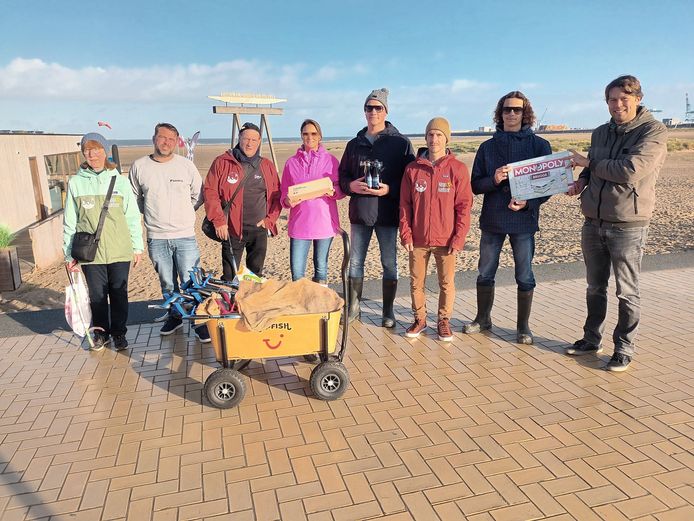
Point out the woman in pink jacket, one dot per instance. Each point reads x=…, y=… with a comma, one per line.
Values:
x=314, y=220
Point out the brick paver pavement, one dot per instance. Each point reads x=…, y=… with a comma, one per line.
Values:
x=479, y=429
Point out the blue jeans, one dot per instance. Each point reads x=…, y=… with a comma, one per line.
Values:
x=387, y=242
x=523, y=246
x=620, y=249
x=172, y=259
x=298, y=253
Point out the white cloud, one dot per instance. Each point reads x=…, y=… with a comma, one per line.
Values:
x=35, y=94
x=467, y=85
x=34, y=78
x=131, y=97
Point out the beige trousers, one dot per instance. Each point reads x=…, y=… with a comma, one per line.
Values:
x=445, y=268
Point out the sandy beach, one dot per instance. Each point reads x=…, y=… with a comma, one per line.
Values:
x=672, y=228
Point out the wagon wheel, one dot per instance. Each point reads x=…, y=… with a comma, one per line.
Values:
x=329, y=380
x=225, y=388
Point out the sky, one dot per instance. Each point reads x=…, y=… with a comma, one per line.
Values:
x=65, y=65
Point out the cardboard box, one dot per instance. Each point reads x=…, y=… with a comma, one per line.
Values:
x=310, y=189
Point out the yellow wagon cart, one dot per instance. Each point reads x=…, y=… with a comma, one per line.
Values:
x=313, y=336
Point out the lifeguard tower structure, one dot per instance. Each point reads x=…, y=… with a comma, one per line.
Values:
x=236, y=103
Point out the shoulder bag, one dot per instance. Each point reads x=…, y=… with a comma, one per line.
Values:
x=84, y=244
x=207, y=226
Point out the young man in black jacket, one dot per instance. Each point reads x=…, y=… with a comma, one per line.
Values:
x=378, y=146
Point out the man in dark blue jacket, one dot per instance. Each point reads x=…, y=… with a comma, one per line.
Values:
x=502, y=214
x=375, y=209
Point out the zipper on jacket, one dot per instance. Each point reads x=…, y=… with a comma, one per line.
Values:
x=605, y=182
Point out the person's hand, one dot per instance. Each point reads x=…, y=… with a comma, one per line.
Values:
x=261, y=223
x=578, y=160
x=577, y=186
x=409, y=246
x=72, y=266
x=358, y=186
x=137, y=257
x=382, y=190
x=501, y=174
x=222, y=232
x=517, y=204
x=330, y=193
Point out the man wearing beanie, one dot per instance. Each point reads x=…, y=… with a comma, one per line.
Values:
x=504, y=215
x=98, y=184
x=378, y=146
x=435, y=203
x=252, y=181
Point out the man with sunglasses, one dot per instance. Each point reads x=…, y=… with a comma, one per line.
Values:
x=617, y=187
x=379, y=146
x=502, y=214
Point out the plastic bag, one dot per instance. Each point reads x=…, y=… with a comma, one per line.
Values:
x=244, y=273
x=77, y=311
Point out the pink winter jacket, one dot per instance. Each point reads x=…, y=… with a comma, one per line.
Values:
x=315, y=218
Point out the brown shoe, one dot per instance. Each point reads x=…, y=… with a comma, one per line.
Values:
x=444, y=330
x=415, y=329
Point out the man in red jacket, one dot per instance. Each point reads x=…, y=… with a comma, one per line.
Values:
x=435, y=203
x=255, y=208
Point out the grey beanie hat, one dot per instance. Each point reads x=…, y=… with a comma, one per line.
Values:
x=95, y=136
x=380, y=95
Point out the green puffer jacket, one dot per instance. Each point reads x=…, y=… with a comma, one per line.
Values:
x=122, y=231
x=624, y=164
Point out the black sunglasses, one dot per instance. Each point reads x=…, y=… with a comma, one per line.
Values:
x=371, y=108
x=515, y=110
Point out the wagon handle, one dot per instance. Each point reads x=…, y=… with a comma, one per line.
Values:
x=346, y=286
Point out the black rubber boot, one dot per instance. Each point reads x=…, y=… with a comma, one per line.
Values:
x=355, y=288
x=525, y=303
x=390, y=288
x=483, y=320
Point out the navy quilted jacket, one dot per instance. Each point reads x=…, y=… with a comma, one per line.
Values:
x=504, y=148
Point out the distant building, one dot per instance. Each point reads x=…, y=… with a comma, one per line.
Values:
x=551, y=128
x=485, y=129
x=671, y=122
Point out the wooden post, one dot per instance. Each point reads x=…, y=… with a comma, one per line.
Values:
x=269, y=139
x=234, y=129
x=10, y=274
x=235, y=110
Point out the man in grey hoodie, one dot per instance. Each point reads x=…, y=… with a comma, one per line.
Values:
x=617, y=191
x=168, y=188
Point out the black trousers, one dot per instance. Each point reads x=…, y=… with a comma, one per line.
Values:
x=108, y=283
x=254, y=241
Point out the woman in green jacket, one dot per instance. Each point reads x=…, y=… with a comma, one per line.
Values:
x=120, y=242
